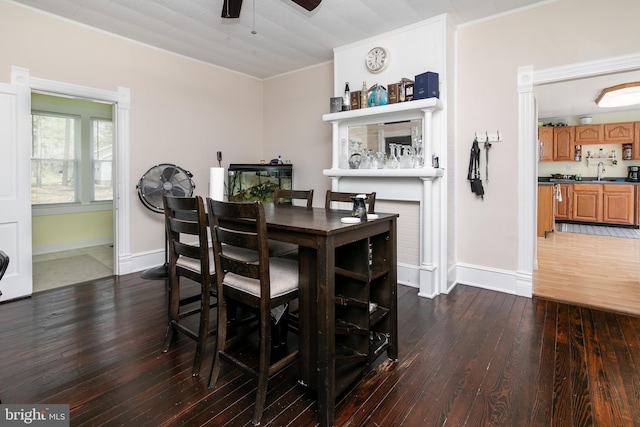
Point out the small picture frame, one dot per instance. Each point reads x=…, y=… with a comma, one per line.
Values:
x=336, y=104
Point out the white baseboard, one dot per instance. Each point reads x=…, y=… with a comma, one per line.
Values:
x=493, y=279
x=76, y=244
x=145, y=260
x=408, y=275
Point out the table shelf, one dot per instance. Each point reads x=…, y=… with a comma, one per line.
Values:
x=364, y=301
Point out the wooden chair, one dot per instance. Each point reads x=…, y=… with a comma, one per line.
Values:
x=4, y=263
x=286, y=197
x=335, y=196
x=258, y=286
x=186, y=221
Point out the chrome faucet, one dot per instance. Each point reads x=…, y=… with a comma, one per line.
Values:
x=600, y=172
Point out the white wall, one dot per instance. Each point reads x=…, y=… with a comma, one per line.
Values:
x=489, y=54
x=293, y=107
x=182, y=111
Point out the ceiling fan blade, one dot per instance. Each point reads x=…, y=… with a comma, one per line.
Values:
x=231, y=8
x=307, y=4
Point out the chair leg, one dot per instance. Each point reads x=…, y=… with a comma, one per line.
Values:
x=203, y=331
x=173, y=313
x=263, y=368
x=221, y=341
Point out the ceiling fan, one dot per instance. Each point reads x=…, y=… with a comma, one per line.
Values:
x=231, y=8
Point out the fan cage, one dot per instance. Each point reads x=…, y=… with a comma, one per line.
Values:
x=161, y=179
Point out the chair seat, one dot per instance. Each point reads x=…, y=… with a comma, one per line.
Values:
x=283, y=275
x=277, y=248
x=194, y=265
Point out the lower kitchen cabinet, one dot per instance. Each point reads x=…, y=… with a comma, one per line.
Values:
x=563, y=206
x=606, y=203
x=637, y=221
x=618, y=204
x=587, y=202
x=545, y=210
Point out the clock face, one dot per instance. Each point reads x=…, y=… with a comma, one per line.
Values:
x=377, y=59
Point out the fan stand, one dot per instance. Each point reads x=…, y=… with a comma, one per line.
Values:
x=162, y=271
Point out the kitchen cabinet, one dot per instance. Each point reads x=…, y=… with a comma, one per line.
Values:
x=545, y=137
x=563, y=206
x=589, y=134
x=618, y=203
x=545, y=210
x=586, y=202
x=637, y=220
x=636, y=142
x=563, y=143
x=619, y=132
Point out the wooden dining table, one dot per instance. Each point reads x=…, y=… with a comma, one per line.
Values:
x=320, y=233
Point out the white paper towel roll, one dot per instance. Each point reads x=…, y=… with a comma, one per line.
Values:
x=216, y=184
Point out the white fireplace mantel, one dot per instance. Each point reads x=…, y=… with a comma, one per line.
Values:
x=420, y=185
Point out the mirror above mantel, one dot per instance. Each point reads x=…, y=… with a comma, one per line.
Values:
x=377, y=137
x=403, y=123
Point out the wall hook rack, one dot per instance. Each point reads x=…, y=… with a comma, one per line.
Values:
x=489, y=137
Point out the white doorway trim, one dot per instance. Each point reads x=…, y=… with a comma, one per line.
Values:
x=121, y=200
x=528, y=78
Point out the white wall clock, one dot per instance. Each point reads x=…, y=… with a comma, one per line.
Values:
x=377, y=59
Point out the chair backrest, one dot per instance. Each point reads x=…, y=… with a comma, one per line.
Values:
x=336, y=196
x=238, y=227
x=286, y=197
x=4, y=263
x=185, y=217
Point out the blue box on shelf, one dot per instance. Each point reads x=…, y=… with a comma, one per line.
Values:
x=426, y=86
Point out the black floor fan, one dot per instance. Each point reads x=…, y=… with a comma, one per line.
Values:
x=162, y=179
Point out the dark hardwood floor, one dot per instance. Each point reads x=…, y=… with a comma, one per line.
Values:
x=470, y=358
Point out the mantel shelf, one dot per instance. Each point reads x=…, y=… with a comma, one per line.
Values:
x=427, y=172
x=385, y=110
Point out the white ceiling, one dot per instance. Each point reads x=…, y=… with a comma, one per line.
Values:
x=576, y=98
x=288, y=37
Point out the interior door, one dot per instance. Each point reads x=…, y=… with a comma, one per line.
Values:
x=15, y=192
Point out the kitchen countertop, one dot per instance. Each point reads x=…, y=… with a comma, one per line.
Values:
x=585, y=180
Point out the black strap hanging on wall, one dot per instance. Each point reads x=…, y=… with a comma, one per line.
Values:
x=474, y=170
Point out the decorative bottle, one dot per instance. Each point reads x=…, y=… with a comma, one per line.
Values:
x=346, y=99
x=364, y=95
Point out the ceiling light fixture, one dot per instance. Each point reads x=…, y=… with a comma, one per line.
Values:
x=619, y=96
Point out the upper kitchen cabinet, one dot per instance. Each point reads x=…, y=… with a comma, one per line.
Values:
x=636, y=143
x=618, y=132
x=589, y=134
x=545, y=137
x=563, y=143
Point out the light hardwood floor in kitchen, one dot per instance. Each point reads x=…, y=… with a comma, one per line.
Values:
x=593, y=271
